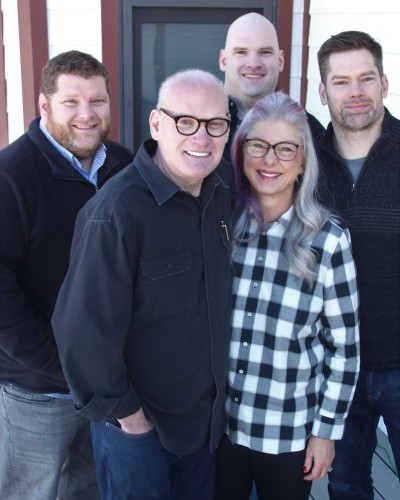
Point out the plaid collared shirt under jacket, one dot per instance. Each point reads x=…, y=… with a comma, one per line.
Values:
x=294, y=354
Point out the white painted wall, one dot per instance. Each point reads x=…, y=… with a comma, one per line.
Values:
x=74, y=24
x=381, y=19
x=297, y=50
x=71, y=24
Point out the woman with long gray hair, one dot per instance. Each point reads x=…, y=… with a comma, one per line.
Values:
x=294, y=354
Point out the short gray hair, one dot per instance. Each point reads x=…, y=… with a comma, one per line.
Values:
x=193, y=77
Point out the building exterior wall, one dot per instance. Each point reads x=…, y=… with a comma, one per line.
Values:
x=76, y=24
x=297, y=50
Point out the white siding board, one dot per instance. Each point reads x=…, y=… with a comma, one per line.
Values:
x=295, y=69
x=85, y=28
x=74, y=24
x=297, y=29
x=297, y=51
x=94, y=50
x=298, y=6
x=295, y=84
x=75, y=5
x=382, y=26
x=361, y=7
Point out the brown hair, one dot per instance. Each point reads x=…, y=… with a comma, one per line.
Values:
x=345, y=41
x=72, y=62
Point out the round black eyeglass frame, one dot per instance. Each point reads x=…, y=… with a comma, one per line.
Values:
x=272, y=146
x=199, y=121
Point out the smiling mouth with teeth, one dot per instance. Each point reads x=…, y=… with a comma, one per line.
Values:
x=197, y=154
x=87, y=127
x=269, y=175
x=253, y=77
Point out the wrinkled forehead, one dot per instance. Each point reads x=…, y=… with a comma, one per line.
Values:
x=197, y=99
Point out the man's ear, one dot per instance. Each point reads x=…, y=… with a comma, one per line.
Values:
x=385, y=86
x=281, y=58
x=222, y=60
x=154, y=124
x=43, y=106
x=322, y=93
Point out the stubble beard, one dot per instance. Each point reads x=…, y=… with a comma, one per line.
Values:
x=79, y=147
x=359, y=122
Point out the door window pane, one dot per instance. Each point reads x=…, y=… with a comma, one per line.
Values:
x=169, y=47
x=158, y=41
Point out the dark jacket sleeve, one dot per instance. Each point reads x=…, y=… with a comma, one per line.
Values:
x=92, y=318
x=316, y=127
x=17, y=315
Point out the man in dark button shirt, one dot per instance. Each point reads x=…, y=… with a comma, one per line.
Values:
x=143, y=318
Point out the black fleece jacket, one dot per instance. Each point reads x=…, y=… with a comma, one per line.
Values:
x=371, y=210
x=40, y=196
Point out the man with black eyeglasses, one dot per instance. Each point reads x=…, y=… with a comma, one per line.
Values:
x=143, y=318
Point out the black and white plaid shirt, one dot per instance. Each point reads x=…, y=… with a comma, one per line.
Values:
x=294, y=354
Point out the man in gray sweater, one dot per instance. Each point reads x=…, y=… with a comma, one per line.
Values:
x=360, y=180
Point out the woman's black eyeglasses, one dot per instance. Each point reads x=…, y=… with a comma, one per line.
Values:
x=284, y=151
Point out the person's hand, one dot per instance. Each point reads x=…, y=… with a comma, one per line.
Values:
x=319, y=457
x=137, y=423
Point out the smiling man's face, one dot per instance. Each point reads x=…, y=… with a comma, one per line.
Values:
x=354, y=90
x=188, y=159
x=77, y=115
x=251, y=60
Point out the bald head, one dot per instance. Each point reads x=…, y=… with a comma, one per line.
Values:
x=251, y=23
x=251, y=59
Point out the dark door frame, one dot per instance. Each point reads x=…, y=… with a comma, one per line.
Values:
x=275, y=10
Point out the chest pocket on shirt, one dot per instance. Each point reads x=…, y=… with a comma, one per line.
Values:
x=169, y=282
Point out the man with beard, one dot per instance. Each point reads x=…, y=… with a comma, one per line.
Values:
x=46, y=176
x=360, y=181
x=252, y=62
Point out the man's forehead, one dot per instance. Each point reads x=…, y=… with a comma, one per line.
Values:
x=255, y=34
x=350, y=57
x=352, y=61
x=66, y=80
x=257, y=46
x=188, y=97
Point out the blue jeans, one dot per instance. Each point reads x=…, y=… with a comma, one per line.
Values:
x=377, y=394
x=45, y=448
x=137, y=467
